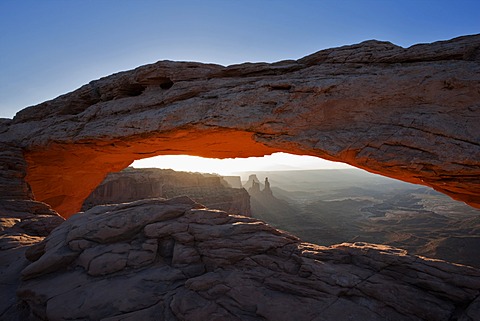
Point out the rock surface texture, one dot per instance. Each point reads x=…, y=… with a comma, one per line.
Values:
x=134, y=184
x=407, y=113
x=174, y=260
x=23, y=222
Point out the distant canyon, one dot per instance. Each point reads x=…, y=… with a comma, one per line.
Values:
x=324, y=207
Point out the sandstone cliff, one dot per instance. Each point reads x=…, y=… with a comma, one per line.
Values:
x=19, y=213
x=135, y=184
x=23, y=222
x=407, y=113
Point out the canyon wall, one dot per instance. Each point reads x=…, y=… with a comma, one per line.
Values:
x=135, y=184
x=19, y=213
x=23, y=222
x=407, y=113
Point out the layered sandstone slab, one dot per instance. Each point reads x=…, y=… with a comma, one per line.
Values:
x=20, y=216
x=23, y=222
x=408, y=113
x=174, y=260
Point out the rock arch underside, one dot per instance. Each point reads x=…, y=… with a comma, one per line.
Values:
x=410, y=114
x=406, y=113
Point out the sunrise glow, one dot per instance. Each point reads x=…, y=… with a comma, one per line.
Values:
x=230, y=166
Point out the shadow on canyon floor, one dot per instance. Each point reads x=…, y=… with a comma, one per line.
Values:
x=328, y=207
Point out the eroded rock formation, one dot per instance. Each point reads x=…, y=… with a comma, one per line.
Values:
x=411, y=114
x=135, y=184
x=23, y=222
x=265, y=206
x=173, y=260
x=406, y=113
x=19, y=213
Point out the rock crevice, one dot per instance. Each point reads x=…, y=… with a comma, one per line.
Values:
x=179, y=261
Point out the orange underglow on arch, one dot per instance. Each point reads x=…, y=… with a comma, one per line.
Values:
x=63, y=175
x=373, y=109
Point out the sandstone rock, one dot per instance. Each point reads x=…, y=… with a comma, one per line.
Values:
x=12, y=262
x=23, y=224
x=407, y=113
x=231, y=268
x=134, y=184
x=19, y=213
x=13, y=170
x=233, y=181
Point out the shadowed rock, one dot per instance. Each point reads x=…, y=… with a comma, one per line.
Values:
x=174, y=260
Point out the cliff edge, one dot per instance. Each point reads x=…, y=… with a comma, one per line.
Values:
x=135, y=184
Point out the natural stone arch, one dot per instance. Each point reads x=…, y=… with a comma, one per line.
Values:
x=410, y=114
x=84, y=166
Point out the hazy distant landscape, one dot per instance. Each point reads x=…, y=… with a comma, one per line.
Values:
x=334, y=206
x=323, y=207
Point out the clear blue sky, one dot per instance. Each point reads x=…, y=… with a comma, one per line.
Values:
x=52, y=47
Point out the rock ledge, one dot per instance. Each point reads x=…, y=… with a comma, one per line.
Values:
x=175, y=260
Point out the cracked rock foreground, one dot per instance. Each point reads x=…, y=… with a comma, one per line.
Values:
x=174, y=259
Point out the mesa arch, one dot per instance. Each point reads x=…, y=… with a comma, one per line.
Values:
x=407, y=113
